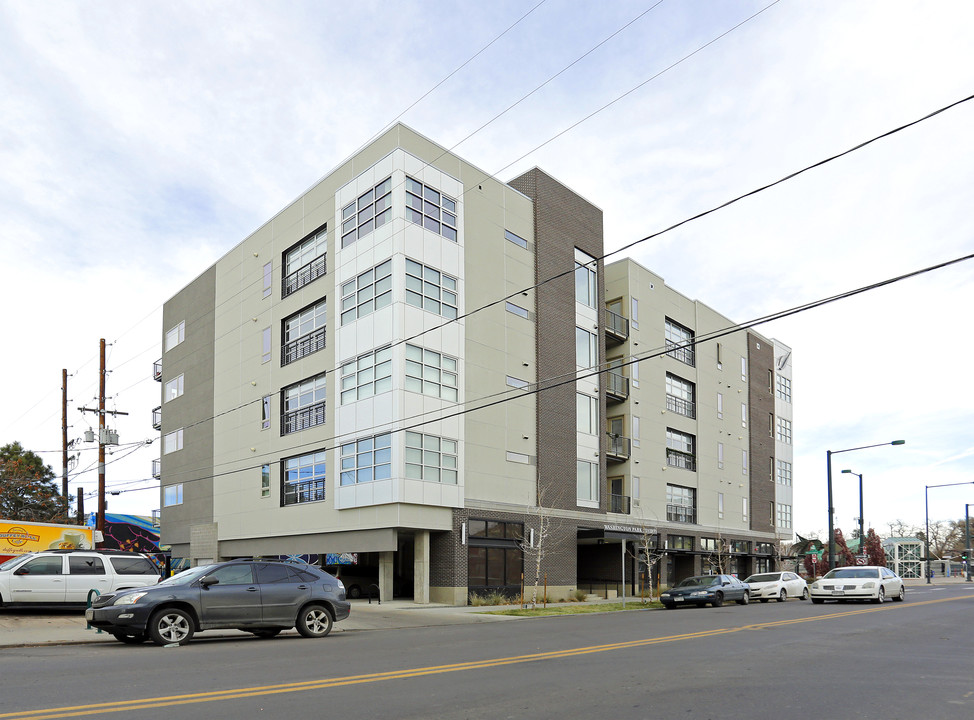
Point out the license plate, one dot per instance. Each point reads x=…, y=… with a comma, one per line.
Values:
x=838, y=592
x=89, y=615
x=677, y=599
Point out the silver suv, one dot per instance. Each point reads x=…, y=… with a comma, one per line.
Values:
x=54, y=577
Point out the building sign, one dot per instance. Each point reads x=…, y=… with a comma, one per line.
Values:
x=19, y=538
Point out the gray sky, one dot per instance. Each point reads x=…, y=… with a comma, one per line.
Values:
x=141, y=141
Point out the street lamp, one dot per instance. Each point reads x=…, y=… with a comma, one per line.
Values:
x=926, y=503
x=862, y=537
x=828, y=465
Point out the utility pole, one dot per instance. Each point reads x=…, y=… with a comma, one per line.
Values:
x=103, y=438
x=64, y=441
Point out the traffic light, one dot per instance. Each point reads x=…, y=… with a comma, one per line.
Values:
x=965, y=554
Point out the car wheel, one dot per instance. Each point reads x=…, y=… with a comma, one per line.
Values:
x=718, y=599
x=818, y=601
x=171, y=626
x=267, y=632
x=354, y=592
x=130, y=639
x=901, y=595
x=881, y=595
x=783, y=595
x=745, y=599
x=314, y=622
x=804, y=593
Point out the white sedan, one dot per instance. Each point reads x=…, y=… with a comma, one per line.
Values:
x=777, y=586
x=864, y=582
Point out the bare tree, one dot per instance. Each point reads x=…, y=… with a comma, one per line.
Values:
x=534, y=545
x=648, y=553
x=719, y=558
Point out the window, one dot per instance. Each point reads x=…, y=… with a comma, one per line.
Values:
x=770, y=381
x=171, y=442
x=517, y=382
x=680, y=542
x=720, y=505
x=680, y=449
x=265, y=345
x=784, y=473
x=304, y=333
x=431, y=290
x=634, y=374
x=784, y=431
x=175, y=336
x=784, y=516
x=708, y=544
x=493, y=556
x=367, y=460
x=50, y=565
x=680, y=396
x=265, y=481
x=431, y=209
x=174, y=388
x=431, y=373
x=586, y=414
x=518, y=458
x=681, y=504
x=720, y=354
x=304, y=479
x=586, y=348
x=371, y=210
x=744, y=509
x=431, y=458
x=784, y=388
x=743, y=414
x=85, y=565
x=303, y=405
x=587, y=481
x=771, y=425
x=720, y=456
x=720, y=406
x=517, y=310
x=744, y=462
x=634, y=312
x=265, y=413
x=172, y=495
x=133, y=566
x=367, y=375
x=370, y=291
x=516, y=239
x=586, y=281
x=635, y=431
x=305, y=262
x=679, y=342
x=268, y=279
x=744, y=369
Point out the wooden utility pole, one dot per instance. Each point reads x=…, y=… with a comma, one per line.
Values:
x=64, y=442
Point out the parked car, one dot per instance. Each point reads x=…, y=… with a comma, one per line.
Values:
x=263, y=597
x=703, y=589
x=358, y=582
x=862, y=582
x=56, y=577
x=777, y=586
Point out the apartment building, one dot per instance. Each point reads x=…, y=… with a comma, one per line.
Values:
x=427, y=373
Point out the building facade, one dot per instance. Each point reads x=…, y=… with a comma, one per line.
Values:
x=427, y=372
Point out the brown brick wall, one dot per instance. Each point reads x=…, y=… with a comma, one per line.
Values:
x=760, y=363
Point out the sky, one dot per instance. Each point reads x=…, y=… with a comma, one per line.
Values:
x=139, y=142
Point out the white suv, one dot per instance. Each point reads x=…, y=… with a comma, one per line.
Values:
x=66, y=576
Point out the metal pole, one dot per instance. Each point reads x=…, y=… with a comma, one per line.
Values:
x=926, y=535
x=64, y=443
x=623, y=546
x=101, y=439
x=967, y=536
x=828, y=464
x=862, y=536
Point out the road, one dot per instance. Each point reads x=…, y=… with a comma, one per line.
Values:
x=789, y=660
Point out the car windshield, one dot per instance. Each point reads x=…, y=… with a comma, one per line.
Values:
x=698, y=580
x=15, y=561
x=767, y=577
x=188, y=576
x=851, y=572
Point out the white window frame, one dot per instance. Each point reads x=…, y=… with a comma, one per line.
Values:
x=586, y=279
x=366, y=460
x=587, y=483
x=369, y=211
x=172, y=442
x=366, y=293
x=367, y=375
x=174, y=388
x=175, y=335
x=431, y=209
x=172, y=495
x=432, y=373
x=587, y=414
x=431, y=458
x=432, y=290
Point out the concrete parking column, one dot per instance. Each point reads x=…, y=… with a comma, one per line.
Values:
x=421, y=567
x=387, y=564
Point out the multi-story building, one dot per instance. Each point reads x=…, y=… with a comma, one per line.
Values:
x=430, y=371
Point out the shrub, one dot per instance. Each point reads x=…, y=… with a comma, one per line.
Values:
x=489, y=598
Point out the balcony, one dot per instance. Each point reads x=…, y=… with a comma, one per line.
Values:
x=616, y=387
x=621, y=504
x=680, y=406
x=157, y=370
x=157, y=418
x=616, y=447
x=681, y=514
x=156, y=517
x=303, y=275
x=302, y=492
x=302, y=419
x=297, y=349
x=682, y=352
x=682, y=460
x=157, y=468
x=616, y=328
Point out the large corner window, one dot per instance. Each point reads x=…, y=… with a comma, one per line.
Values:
x=371, y=210
x=367, y=292
x=681, y=504
x=431, y=373
x=432, y=209
x=304, y=479
x=679, y=342
x=586, y=279
x=304, y=333
x=784, y=431
x=431, y=290
x=367, y=460
x=303, y=405
x=784, y=388
x=305, y=262
x=367, y=375
x=431, y=458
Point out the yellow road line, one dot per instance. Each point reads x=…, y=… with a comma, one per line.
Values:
x=322, y=683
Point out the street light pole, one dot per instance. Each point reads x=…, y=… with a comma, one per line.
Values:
x=862, y=536
x=828, y=463
x=926, y=538
x=967, y=537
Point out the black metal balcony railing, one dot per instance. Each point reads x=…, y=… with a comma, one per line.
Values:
x=616, y=386
x=157, y=468
x=616, y=327
x=302, y=492
x=681, y=406
x=681, y=352
x=157, y=370
x=303, y=275
x=617, y=448
x=681, y=514
x=297, y=349
x=677, y=459
x=157, y=418
x=620, y=504
x=304, y=418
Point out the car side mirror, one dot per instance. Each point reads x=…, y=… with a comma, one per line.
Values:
x=21, y=571
x=207, y=581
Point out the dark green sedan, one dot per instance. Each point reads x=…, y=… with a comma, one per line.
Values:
x=702, y=589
